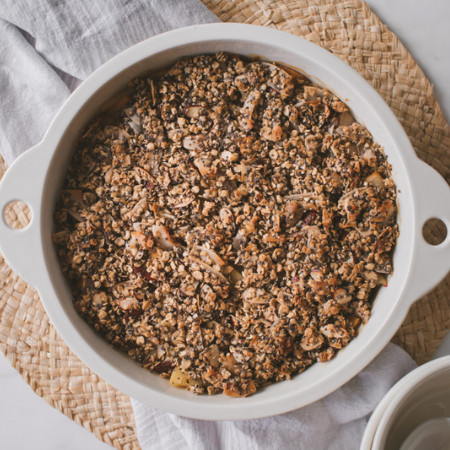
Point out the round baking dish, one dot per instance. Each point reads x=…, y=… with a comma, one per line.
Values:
x=37, y=176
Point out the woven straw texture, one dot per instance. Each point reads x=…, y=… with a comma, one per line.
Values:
x=352, y=32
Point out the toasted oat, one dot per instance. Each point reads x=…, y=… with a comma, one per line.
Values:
x=226, y=224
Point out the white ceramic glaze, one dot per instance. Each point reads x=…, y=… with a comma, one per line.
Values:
x=422, y=395
x=432, y=434
x=399, y=390
x=37, y=175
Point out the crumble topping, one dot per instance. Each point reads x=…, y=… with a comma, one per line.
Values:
x=226, y=222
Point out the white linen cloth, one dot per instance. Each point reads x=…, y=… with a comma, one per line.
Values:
x=47, y=47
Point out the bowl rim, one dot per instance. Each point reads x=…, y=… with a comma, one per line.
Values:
x=392, y=401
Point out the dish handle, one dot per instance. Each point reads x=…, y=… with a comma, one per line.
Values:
x=22, y=248
x=431, y=263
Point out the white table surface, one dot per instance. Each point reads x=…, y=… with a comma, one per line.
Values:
x=27, y=422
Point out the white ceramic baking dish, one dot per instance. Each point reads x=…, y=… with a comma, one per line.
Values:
x=37, y=175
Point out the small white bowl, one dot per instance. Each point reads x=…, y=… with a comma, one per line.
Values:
x=422, y=395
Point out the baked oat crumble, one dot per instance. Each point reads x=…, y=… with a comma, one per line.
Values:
x=226, y=223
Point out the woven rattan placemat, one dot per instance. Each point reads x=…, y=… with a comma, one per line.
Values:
x=351, y=31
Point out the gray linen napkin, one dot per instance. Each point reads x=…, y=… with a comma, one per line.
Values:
x=47, y=47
